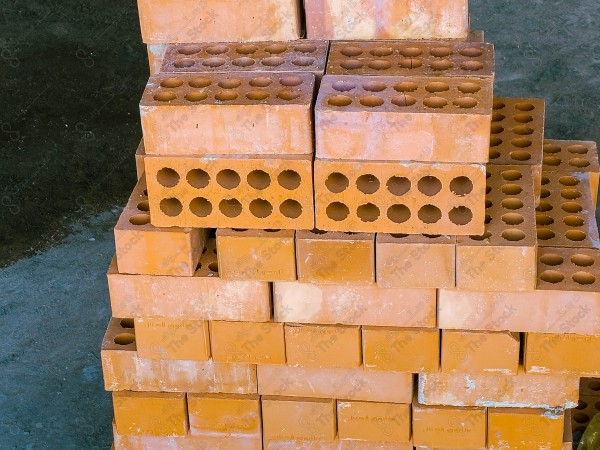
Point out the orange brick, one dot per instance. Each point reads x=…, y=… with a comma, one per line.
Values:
x=401, y=349
x=371, y=19
x=139, y=159
x=335, y=258
x=225, y=415
x=374, y=422
x=156, y=55
x=568, y=269
x=265, y=255
x=383, y=119
x=449, y=427
x=524, y=429
x=166, y=21
x=415, y=261
x=387, y=197
x=307, y=419
x=351, y=384
x=246, y=191
x=172, y=339
x=354, y=304
x=334, y=346
x=480, y=351
x=242, y=114
x=524, y=390
x=150, y=413
x=248, y=342
x=562, y=353
x=336, y=445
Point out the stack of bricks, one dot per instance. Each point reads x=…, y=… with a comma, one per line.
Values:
x=347, y=245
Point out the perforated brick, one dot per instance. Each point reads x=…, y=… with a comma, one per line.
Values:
x=386, y=197
x=586, y=409
x=503, y=257
x=568, y=269
x=233, y=113
x=156, y=55
x=411, y=58
x=231, y=192
x=590, y=386
x=424, y=119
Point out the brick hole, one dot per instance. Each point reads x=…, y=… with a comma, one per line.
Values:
x=205, y=249
x=196, y=96
x=512, y=203
x=411, y=52
x=576, y=235
x=488, y=189
x=213, y=267
x=429, y=214
x=523, y=130
x=351, y=64
x=471, y=52
x=260, y=82
x=230, y=207
x=259, y=179
x=568, y=181
x=572, y=207
x=483, y=237
x=399, y=235
x=472, y=66
x=551, y=259
x=200, y=82
x=339, y=100
x=583, y=278
x=305, y=48
x=337, y=211
x=246, y=49
x=303, y=61
x=495, y=141
x=368, y=212
x=273, y=61
x=289, y=179
x=189, y=49
x=171, y=207
x=381, y=51
x=410, y=63
x=523, y=118
x=144, y=205
x=498, y=105
x=406, y=86
x=214, y=62
x=200, y=207
x=276, y=49
x=230, y=83
x=513, y=219
x=552, y=276
x=257, y=95
x=521, y=142
x=139, y=219
x=551, y=148
x=545, y=180
x=371, y=101
x=488, y=204
x=573, y=221
x=440, y=52
x=493, y=154
x=544, y=206
x=581, y=417
x=435, y=102
x=398, y=185
x=461, y=186
x=552, y=161
x=498, y=117
x=171, y=83
x=167, y=177
x=272, y=230
x=429, y=185
x=465, y=102
x=291, y=209
x=595, y=385
x=290, y=81
x=570, y=194
x=225, y=96
x=124, y=339
x=228, y=179
x=579, y=162
x=578, y=149
x=511, y=175
x=581, y=405
x=513, y=235
x=351, y=51
x=145, y=192
x=367, y=184
x=216, y=49
x=374, y=86
x=437, y=86
x=165, y=96
x=243, y=62
x=469, y=88
x=184, y=63
x=443, y=64
x=511, y=189
x=198, y=178
x=545, y=234
x=520, y=155
x=336, y=182
x=317, y=231
x=524, y=106
x=398, y=213
x=432, y=236
x=545, y=193
x=127, y=323
x=403, y=100
x=582, y=260
x=460, y=215
x=343, y=86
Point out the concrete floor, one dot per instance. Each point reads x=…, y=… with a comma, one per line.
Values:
x=72, y=75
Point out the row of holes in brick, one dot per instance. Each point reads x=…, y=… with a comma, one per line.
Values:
x=411, y=63
x=411, y=52
x=579, y=162
x=579, y=260
x=244, y=61
x=246, y=49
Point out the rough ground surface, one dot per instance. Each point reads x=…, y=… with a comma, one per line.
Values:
x=72, y=73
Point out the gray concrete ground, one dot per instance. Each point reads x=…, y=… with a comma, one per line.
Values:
x=72, y=74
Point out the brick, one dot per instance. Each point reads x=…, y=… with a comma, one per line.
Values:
x=535, y=311
x=476, y=36
x=386, y=197
x=370, y=19
x=298, y=419
x=568, y=269
x=225, y=415
x=231, y=192
x=401, y=349
x=354, y=304
x=139, y=159
x=124, y=370
x=384, y=119
x=587, y=408
x=373, y=422
x=480, y=351
x=336, y=445
x=172, y=339
x=267, y=56
x=568, y=432
x=265, y=255
x=201, y=297
x=142, y=248
x=150, y=413
x=248, y=342
x=509, y=238
x=411, y=58
x=449, y=427
x=524, y=429
x=562, y=353
x=167, y=21
x=242, y=114
x=349, y=384
x=335, y=258
x=590, y=386
x=156, y=55
x=415, y=261
x=524, y=390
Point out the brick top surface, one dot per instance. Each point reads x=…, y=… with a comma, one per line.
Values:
x=570, y=156
x=568, y=269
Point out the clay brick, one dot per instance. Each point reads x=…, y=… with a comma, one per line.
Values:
x=524, y=390
x=411, y=58
x=308, y=419
x=401, y=349
x=354, y=304
x=156, y=55
x=387, y=197
x=374, y=422
x=503, y=257
x=150, y=413
x=167, y=21
x=562, y=353
x=568, y=432
x=350, y=384
x=415, y=261
x=568, y=269
x=265, y=255
x=231, y=192
x=139, y=159
x=124, y=370
x=144, y=249
x=241, y=114
x=384, y=118
x=590, y=386
x=266, y=56
x=335, y=258
x=332, y=346
x=534, y=311
x=480, y=351
x=248, y=342
x=449, y=427
x=587, y=408
x=524, y=429
x=225, y=415
x=371, y=19
x=476, y=36
x=336, y=445
x=172, y=339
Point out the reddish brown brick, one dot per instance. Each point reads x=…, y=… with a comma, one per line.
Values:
x=568, y=269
